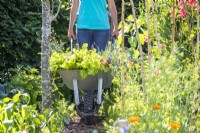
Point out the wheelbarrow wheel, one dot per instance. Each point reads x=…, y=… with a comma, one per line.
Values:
x=88, y=102
x=88, y=107
x=88, y=120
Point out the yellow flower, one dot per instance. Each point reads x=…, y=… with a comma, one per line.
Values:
x=119, y=105
x=133, y=119
x=174, y=125
x=111, y=121
x=156, y=107
x=115, y=80
x=137, y=65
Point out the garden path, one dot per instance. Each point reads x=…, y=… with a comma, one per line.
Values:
x=77, y=126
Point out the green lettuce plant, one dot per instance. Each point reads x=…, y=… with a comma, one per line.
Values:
x=88, y=62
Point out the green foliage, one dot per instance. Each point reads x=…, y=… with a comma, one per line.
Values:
x=20, y=35
x=173, y=87
x=185, y=29
x=87, y=61
x=60, y=24
x=28, y=80
x=18, y=117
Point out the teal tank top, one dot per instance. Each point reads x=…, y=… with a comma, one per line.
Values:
x=92, y=14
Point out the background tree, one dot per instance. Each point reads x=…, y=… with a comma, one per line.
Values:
x=45, y=71
x=47, y=18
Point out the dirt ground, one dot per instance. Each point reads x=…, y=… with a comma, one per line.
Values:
x=77, y=126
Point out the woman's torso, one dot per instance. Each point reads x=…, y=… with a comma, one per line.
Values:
x=93, y=15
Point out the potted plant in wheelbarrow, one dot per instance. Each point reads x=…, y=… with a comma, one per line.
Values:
x=85, y=72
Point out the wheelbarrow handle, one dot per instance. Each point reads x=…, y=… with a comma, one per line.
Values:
x=113, y=42
x=71, y=45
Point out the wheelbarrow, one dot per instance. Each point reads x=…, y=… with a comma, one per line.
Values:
x=89, y=105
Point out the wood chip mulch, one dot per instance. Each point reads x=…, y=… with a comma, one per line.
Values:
x=77, y=126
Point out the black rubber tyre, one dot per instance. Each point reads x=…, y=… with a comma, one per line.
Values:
x=88, y=102
x=88, y=107
x=88, y=120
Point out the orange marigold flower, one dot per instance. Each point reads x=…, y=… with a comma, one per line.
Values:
x=133, y=119
x=174, y=125
x=156, y=107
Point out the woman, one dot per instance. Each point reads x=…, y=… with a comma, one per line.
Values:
x=93, y=25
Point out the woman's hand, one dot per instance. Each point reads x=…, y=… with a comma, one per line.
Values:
x=71, y=34
x=115, y=33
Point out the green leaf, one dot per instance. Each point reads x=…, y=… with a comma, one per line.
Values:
x=136, y=53
x=13, y=130
x=66, y=120
x=141, y=38
x=16, y=97
x=41, y=117
x=109, y=109
x=24, y=111
x=8, y=124
x=7, y=121
x=130, y=18
x=8, y=110
x=140, y=22
x=37, y=121
x=6, y=99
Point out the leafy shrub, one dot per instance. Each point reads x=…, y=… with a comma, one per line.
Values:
x=19, y=38
x=27, y=80
x=18, y=117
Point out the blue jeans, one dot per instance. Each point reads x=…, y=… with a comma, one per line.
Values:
x=94, y=38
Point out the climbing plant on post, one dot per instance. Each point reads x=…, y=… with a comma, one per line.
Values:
x=155, y=27
x=197, y=61
x=45, y=66
x=122, y=57
x=139, y=42
x=198, y=36
x=173, y=28
x=148, y=31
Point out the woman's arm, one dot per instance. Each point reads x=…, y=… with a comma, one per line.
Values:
x=73, y=15
x=114, y=20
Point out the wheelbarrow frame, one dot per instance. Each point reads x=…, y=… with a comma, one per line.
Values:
x=74, y=81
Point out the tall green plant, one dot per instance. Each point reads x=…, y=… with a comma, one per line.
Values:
x=17, y=116
x=198, y=36
x=27, y=80
x=171, y=100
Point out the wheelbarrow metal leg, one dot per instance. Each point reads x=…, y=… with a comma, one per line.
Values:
x=99, y=95
x=76, y=94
